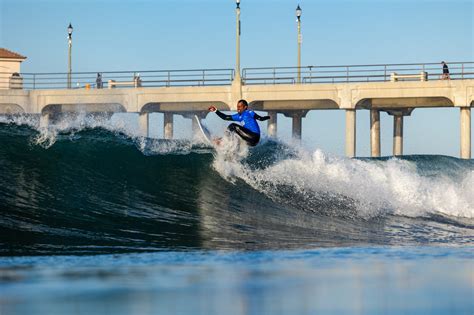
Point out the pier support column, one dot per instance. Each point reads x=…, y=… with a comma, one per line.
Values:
x=144, y=124
x=350, y=132
x=44, y=120
x=374, y=133
x=272, y=124
x=297, y=117
x=465, y=132
x=296, y=129
x=398, y=128
x=398, y=135
x=168, y=125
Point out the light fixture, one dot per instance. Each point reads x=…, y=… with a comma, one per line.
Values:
x=298, y=12
x=69, y=30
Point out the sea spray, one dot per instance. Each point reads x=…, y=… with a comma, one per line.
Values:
x=229, y=154
x=373, y=188
x=69, y=125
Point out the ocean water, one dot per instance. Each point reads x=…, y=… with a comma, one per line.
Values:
x=96, y=220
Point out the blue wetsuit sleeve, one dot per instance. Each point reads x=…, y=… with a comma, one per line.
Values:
x=223, y=116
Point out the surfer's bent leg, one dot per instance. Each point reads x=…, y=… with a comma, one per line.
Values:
x=248, y=136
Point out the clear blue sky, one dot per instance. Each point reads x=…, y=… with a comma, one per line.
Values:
x=190, y=34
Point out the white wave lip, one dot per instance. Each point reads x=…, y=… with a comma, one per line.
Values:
x=76, y=122
x=392, y=186
x=70, y=123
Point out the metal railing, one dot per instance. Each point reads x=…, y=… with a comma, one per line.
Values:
x=353, y=73
x=212, y=77
x=159, y=78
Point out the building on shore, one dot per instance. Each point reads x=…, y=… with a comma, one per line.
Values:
x=10, y=64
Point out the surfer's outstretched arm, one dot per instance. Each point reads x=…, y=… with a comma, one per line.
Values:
x=220, y=114
x=223, y=116
x=258, y=117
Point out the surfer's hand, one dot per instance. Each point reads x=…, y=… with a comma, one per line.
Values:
x=212, y=109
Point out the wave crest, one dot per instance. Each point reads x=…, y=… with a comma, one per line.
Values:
x=370, y=187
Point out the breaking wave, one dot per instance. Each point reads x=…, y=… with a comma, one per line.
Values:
x=94, y=185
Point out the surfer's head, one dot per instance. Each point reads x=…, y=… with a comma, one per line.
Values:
x=241, y=106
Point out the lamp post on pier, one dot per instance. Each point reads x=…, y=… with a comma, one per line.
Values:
x=237, y=44
x=69, y=31
x=298, y=15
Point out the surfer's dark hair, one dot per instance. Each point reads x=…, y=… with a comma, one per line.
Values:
x=243, y=102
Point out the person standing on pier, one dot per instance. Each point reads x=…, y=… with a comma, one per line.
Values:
x=445, y=75
x=98, y=81
x=249, y=131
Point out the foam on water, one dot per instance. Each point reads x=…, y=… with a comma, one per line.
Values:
x=229, y=155
x=69, y=124
x=372, y=187
x=73, y=123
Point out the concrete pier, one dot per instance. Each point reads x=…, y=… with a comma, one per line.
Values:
x=398, y=115
x=297, y=121
x=296, y=128
x=272, y=124
x=143, y=124
x=397, y=134
x=374, y=133
x=350, y=133
x=168, y=125
x=465, y=132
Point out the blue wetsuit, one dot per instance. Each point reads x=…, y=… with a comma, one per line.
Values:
x=249, y=130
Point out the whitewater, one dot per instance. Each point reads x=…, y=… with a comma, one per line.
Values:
x=89, y=199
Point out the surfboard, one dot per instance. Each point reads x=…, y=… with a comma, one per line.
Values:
x=204, y=131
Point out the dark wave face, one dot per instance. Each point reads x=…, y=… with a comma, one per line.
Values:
x=100, y=191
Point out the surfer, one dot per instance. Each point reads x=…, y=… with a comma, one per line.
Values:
x=249, y=131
